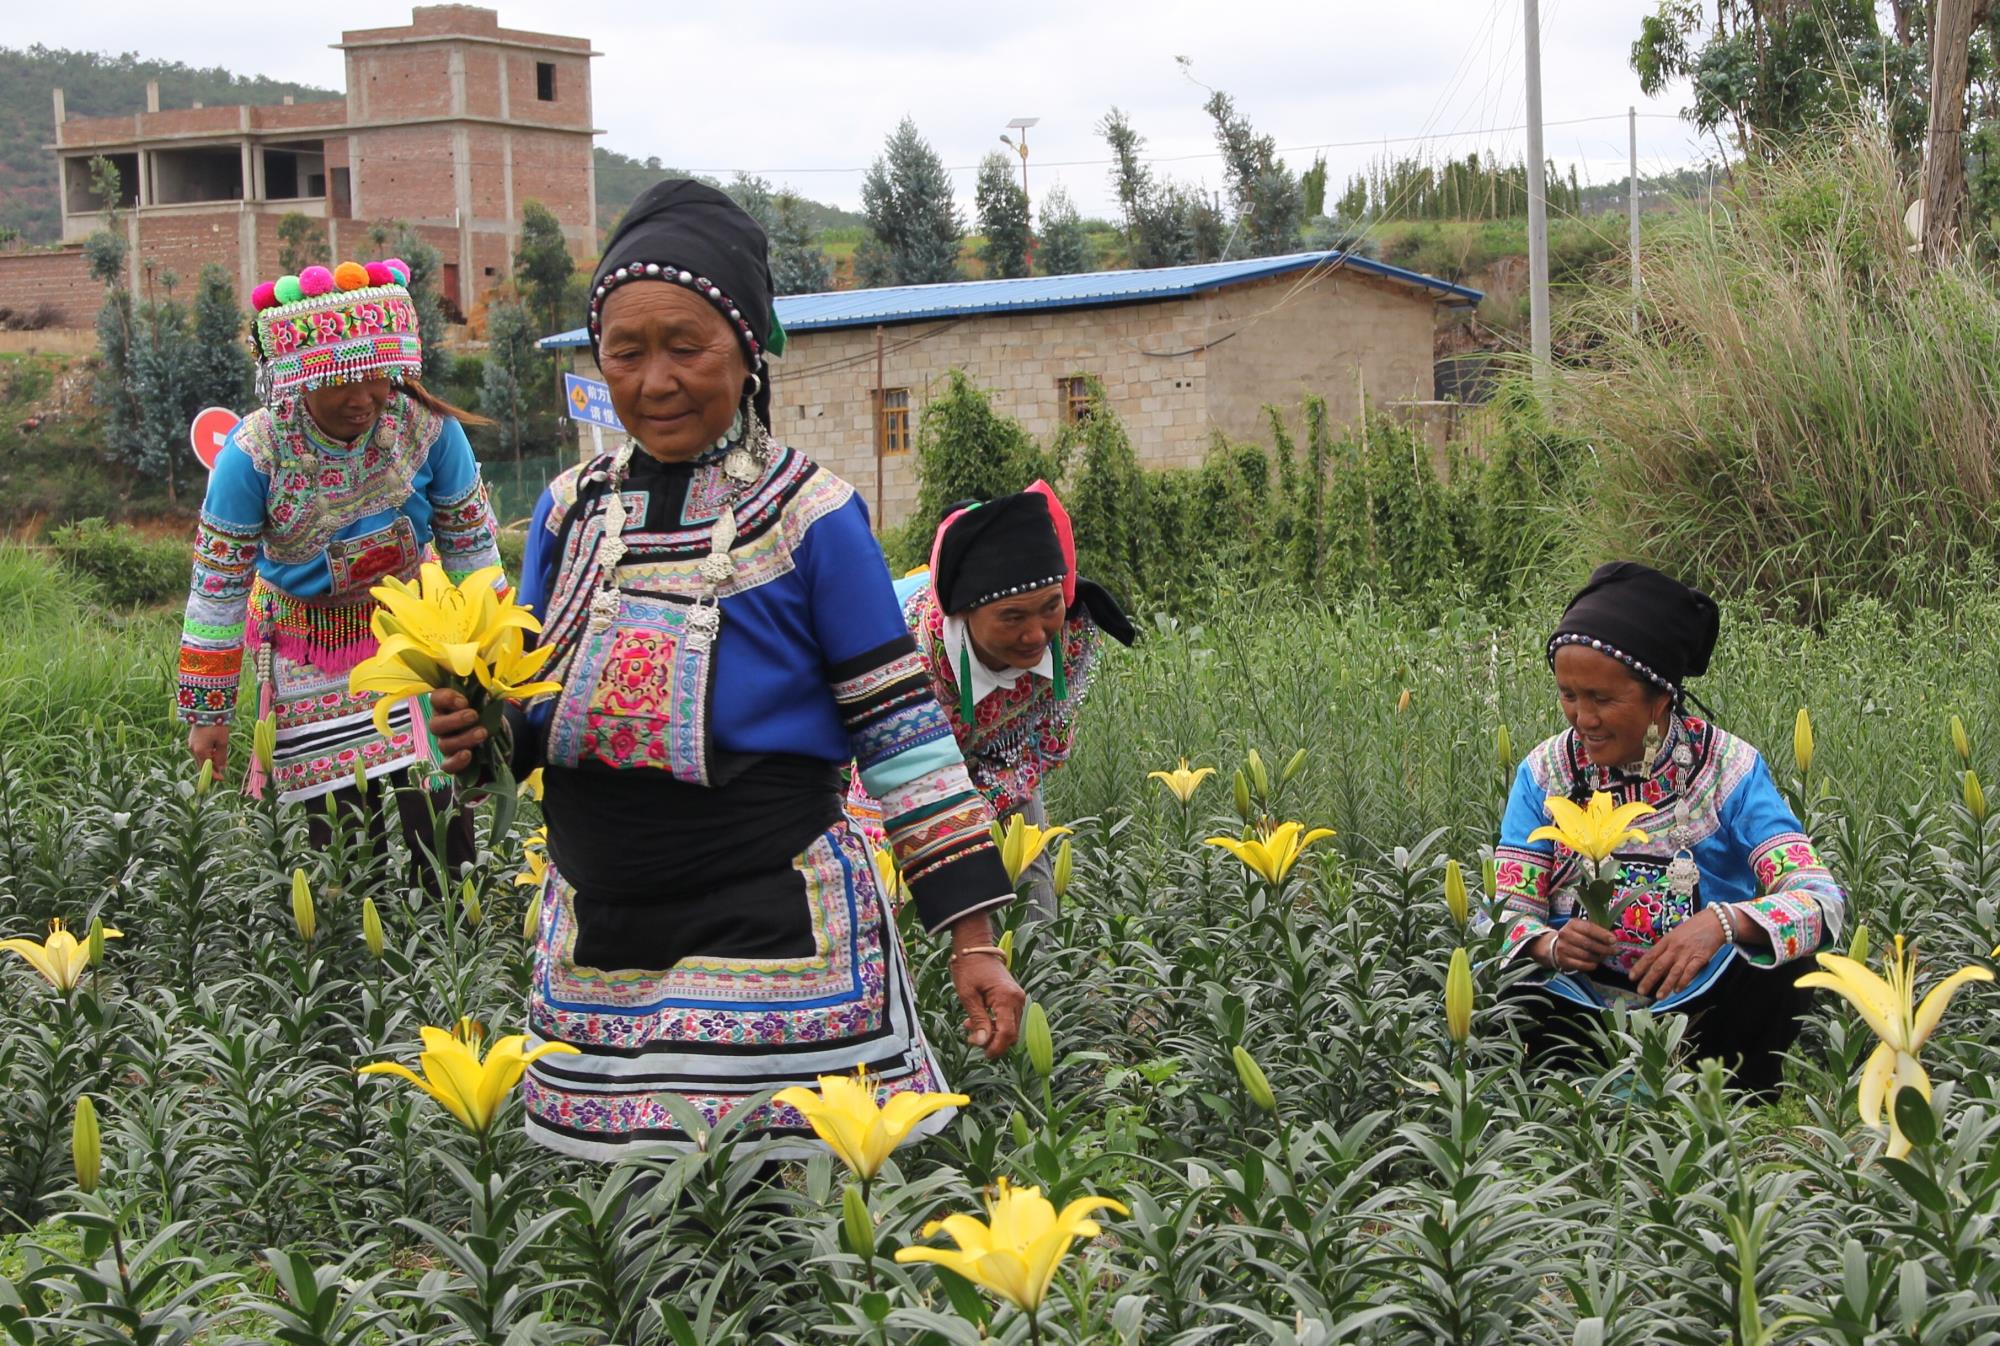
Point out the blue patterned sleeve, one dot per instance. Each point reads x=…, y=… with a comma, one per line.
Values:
x=1799, y=903
x=1522, y=868
x=462, y=525
x=227, y=542
x=939, y=826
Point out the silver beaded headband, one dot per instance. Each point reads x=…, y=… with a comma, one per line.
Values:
x=666, y=271
x=1592, y=643
x=1029, y=587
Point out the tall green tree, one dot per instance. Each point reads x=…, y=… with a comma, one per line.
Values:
x=1264, y=195
x=798, y=264
x=757, y=198
x=542, y=265
x=908, y=200
x=1065, y=249
x=223, y=370
x=301, y=242
x=511, y=375
x=1003, y=218
x=1166, y=223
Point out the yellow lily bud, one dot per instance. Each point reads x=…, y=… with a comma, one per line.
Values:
x=360, y=779
x=1458, y=997
x=86, y=1148
x=1503, y=748
x=1060, y=871
x=1802, y=742
x=1961, y=742
x=1242, y=795
x=204, y=779
x=264, y=741
x=1252, y=1077
x=1975, y=797
x=1403, y=701
x=531, y=919
x=1455, y=897
x=468, y=893
x=1489, y=879
x=94, y=942
x=859, y=1223
x=371, y=927
x=1007, y=949
x=303, y=914
x=1260, y=779
x=1857, y=948
x=1041, y=1043
x=1293, y=767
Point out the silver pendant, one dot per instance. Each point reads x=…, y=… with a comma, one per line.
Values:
x=1682, y=875
x=604, y=607
x=740, y=465
x=717, y=568
x=703, y=620
x=1683, y=755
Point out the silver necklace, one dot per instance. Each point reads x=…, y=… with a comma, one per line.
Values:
x=743, y=465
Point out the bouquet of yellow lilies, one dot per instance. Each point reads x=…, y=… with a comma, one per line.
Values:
x=1594, y=832
x=470, y=637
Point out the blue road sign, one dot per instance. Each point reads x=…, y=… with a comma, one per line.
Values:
x=589, y=401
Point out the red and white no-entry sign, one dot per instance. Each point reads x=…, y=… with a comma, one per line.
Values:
x=211, y=426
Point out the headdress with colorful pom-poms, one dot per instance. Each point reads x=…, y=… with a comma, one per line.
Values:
x=334, y=325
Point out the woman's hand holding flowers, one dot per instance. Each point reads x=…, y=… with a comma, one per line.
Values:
x=1578, y=945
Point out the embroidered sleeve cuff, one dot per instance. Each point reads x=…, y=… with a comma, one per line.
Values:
x=1524, y=931
x=1794, y=922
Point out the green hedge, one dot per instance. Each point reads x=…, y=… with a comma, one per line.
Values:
x=126, y=569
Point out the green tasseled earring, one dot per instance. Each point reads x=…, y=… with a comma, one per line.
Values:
x=965, y=682
x=1062, y=684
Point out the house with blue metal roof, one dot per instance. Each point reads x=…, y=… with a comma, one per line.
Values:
x=1184, y=354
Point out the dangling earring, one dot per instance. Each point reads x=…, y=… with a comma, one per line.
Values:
x=752, y=454
x=1652, y=748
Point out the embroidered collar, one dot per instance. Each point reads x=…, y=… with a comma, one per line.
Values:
x=986, y=681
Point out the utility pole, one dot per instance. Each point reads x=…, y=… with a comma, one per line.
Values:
x=1022, y=124
x=1538, y=204
x=1632, y=209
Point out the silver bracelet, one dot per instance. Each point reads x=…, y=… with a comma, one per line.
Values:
x=1725, y=918
x=1554, y=940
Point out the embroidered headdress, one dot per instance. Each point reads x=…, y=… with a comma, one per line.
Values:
x=1661, y=629
x=331, y=326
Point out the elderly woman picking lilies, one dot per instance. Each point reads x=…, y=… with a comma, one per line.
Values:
x=1646, y=857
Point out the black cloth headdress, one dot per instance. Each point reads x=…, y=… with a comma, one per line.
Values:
x=683, y=232
x=1003, y=547
x=1661, y=629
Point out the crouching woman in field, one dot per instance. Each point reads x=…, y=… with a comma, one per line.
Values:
x=1709, y=898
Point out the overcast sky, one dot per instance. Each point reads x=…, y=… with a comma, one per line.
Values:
x=804, y=93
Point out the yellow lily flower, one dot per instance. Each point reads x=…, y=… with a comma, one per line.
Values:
x=1889, y=1007
x=889, y=877
x=1596, y=831
x=861, y=1135
x=389, y=675
x=1273, y=857
x=469, y=1088
x=508, y=670
x=61, y=959
x=1802, y=742
x=534, y=854
x=1021, y=841
x=453, y=624
x=1181, y=783
x=531, y=785
x=1013, y=1253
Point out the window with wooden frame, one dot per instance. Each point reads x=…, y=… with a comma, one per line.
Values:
x=894, y=416
x=1075, y=395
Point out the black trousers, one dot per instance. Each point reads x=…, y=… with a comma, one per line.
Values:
x=1749, y=1018
x=414, y=810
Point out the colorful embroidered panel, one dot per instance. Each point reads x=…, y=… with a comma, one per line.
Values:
x=318, y=486
x=635, y=694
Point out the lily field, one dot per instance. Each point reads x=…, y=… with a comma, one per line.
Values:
x=1241, y=1096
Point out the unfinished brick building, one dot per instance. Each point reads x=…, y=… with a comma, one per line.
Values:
x=450, y=125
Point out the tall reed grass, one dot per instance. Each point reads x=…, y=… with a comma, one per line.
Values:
x=1806, y=407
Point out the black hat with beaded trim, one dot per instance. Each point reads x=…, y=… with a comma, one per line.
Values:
x=686, y=233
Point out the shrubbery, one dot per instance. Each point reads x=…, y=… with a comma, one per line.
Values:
x=126, y=568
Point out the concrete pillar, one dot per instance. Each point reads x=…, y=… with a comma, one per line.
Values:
x=152, y=95
x=246, y=250
x=461, y=152
x=143, y=189
x=249, y=187
x=62, y=114
x=455, y=64
x=257, y=187
x=506, y=94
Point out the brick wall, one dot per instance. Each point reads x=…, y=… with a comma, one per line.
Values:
x=59, y=277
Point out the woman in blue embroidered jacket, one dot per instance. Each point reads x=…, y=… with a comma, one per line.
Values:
x=350, y=473
x=711, y=924
x=1721, y=905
